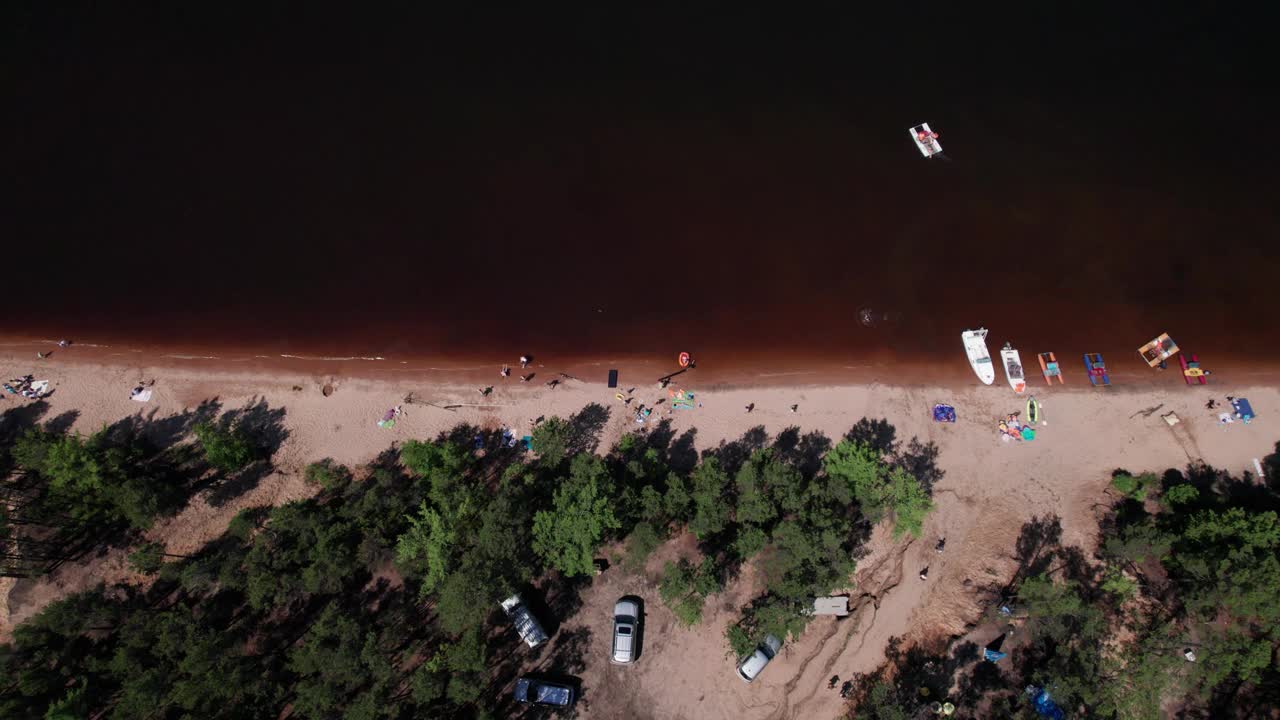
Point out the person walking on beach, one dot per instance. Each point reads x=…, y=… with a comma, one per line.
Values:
x=751, y=407
x=552, y=383
x=795, y=407
x=505, y=372
x=924, y=574
x=525, y=360
x=486, y=390
x=527, y=378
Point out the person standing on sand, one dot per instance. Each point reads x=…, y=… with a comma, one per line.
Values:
x=527, y=378
x=486, y=390
x=505, y=372
x=751, y=407
x=795, y=407
x=524, y=361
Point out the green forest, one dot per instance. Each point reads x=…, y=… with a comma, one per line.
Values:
x=378, y=596
x=1189, y=563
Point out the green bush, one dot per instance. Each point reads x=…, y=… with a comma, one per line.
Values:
x=226, y=449
x=147, y=558
x=246, y=522
x=551, y=441
x=858, y=472
x=329, y=475
x=684, y=588
x=640, y=545
x=1134, y=487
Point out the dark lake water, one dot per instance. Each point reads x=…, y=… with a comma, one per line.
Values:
x=598, y=183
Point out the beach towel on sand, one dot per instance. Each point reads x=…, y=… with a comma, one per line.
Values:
x=944, y=413
x=142, y=396
x=1243, y=409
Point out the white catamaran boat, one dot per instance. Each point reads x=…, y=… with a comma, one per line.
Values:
x=975, y=346
x=1013, y=369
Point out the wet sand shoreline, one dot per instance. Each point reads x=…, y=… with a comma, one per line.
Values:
x=711, y=370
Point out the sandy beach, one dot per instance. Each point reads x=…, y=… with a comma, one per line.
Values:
x=989, y=489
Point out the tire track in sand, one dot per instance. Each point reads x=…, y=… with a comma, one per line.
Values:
x=867, y=598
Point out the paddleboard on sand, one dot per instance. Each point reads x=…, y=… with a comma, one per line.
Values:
x=1013, y=369
x=975, y=346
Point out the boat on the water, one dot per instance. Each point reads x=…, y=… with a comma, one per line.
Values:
x=926, y=140
x=975, y=346
x=1013, y=369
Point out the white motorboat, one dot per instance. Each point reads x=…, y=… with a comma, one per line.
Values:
x=975, y=346
x=1013, y=369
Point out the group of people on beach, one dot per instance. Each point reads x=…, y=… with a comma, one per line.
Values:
x=28, y=387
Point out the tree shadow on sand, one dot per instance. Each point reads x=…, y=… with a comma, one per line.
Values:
x=585, y=427
x=17, y=420
x=263, y=426
x=920, y=460
x=1038, y=544
x=733, y=454
x=803, y=452
x=162, y=433
x=878, y=435
x=678, y=453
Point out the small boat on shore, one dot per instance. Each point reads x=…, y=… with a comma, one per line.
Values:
x=975, y=346
x=1191, y=370
x=1049, y=366
x=1033, y=410
x=1013, y=369
x=1097, y=369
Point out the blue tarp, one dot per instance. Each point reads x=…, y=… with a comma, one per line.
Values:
x=992, y=655
x=1045, y=707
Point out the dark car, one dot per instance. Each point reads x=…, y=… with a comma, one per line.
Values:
x=543, y=692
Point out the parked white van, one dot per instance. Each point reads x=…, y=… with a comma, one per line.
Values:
x=526, y=624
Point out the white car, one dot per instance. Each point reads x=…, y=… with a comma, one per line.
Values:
x=626, y=623
x=526, y=624
x=926, y=139
x=749, y=669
